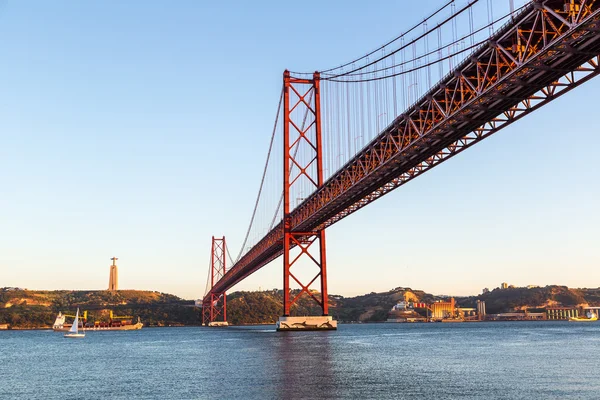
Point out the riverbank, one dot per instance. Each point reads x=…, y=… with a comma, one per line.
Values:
x=24, y=309
x=30, y=309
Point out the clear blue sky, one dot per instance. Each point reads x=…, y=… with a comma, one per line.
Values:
x=138, y=129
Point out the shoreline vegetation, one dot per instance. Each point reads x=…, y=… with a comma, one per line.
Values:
x=22, y=309
x=29, y=309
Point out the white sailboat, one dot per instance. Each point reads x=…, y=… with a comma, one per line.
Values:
x=74, y=331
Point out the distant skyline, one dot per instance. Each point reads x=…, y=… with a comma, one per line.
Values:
x=139, y=130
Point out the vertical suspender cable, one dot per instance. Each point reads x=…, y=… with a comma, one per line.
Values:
x=262, y=181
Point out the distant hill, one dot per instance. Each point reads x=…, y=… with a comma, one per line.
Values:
x=266, y=306
x=374, y=307
x=520, y=298
x=37, y=309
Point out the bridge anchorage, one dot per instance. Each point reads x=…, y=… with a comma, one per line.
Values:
x=540, y=52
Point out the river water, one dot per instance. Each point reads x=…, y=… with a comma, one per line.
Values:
x=503, y=360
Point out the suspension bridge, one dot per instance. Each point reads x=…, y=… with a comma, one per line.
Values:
x=345, y=136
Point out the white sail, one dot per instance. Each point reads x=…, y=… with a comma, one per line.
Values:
x=75, y=326
x=60, y=321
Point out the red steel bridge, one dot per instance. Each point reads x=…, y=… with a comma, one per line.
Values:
x=343, y=137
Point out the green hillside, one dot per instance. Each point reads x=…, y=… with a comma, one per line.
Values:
x=266, y=306
x=519, y=298
x=37, y=309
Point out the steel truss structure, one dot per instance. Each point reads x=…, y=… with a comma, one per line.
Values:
x=516, y=72
x=297, y=95
x=214, y=304
x=546, y=50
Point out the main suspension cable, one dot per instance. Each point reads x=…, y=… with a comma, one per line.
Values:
x=262, y=181
x=379, y=78
x=230, y=260
x=208, y=288
x=457, y=41
x=390, y=42
x=450, y=18
x=310, y=96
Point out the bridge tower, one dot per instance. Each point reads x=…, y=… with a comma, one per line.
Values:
x=214, y=307
x=302, y=130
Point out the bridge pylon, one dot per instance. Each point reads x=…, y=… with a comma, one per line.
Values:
x=302, y=172
x=214, y=307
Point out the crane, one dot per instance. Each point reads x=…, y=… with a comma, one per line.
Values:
x=83, y=316
x=119, y=317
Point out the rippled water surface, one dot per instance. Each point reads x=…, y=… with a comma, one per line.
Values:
x=518, y=360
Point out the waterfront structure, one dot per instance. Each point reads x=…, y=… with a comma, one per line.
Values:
x=408, y=305
x=407, y=319
x=566, y=313
x=404, y=311
x=561, y=313
x=113, y=280
x=443, y=309
x=517, y=316
x=589, y=317
x=595, y=310
x=466, y=313
x=480, y=310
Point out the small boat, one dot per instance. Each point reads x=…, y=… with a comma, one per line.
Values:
x=115, y=323
x=588, y=318
x=74, y=331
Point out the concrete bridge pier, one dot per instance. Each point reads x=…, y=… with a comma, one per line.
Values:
x=217, y=324
x=307, y=323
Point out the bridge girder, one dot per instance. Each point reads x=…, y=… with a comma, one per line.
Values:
x=547, y=49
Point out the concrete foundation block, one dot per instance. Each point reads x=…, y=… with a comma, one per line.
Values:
x=218, y=324
x=308, y=323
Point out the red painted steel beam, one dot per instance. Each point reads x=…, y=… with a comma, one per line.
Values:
x=295, y=91
x=214, y=304
x=544, y=52
x=453, y=109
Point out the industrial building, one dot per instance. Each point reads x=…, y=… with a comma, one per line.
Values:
x=561, y=313
x=443, y=309
x=481, y=310
x=517, y=316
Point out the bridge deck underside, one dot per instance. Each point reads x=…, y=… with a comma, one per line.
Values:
x=526, y=64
